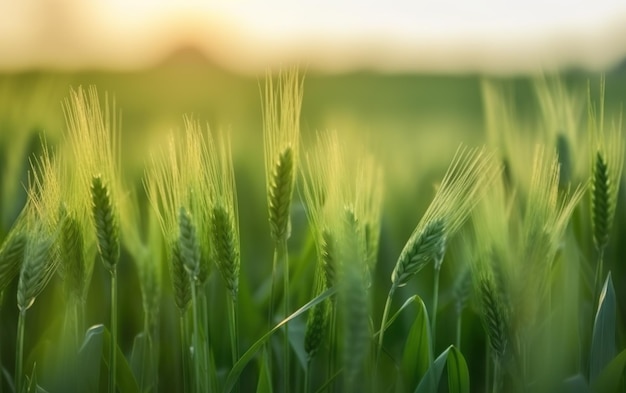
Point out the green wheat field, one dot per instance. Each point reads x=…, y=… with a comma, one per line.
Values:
x=184, y=229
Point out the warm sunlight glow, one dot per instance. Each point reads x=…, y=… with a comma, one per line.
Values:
x=247, y=36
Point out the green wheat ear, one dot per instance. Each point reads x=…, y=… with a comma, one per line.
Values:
x=37, y=269
x=280, y=193
x=189, y=247
x=602, y=208
x=607, y=164
x=317, y=319
x=180, y=279
x=281, y=129
x=106, y=224
x=224, y=246
x=494, y=317
x=328, y=256
x=71, y=249
x=315, y=329
x=428, y=246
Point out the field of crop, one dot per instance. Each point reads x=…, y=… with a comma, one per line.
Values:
x=186, y=229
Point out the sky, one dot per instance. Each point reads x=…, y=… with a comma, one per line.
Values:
x=452, y=36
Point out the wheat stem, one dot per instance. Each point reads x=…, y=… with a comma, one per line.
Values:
x=19, y=352
x=497, y=380
x=234, y=329
x=459, y=322
x=332, y=345
x=204, y=322
x=462, y=289
x=196, y=341
x=488, y=368
x=384, y=321
x=270, y=312
x=284, y=257
x=113, y=362
x=184, y=350
x=307, y=381
x=435, y=304
x=105, y=221
x=597, y=285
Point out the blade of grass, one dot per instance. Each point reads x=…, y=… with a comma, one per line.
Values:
x=408, y=302
x=458, y=375
x=608, y=380
x=603, y=338
x=418, y=354
x=234, y=373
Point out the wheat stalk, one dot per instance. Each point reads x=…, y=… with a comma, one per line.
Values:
x=343, y=199
x=281, y=135
x=336, y=185
x=463, y=185
x=281, y=116
x=177, y=184
x=607, y=164
x=39, y=265
x=545, y=217
x=223, y=221
x=93, y=136
x=461, y=290
x=178, y=179
x=353, y=302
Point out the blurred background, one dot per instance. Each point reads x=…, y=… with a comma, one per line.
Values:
x=404, y=78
